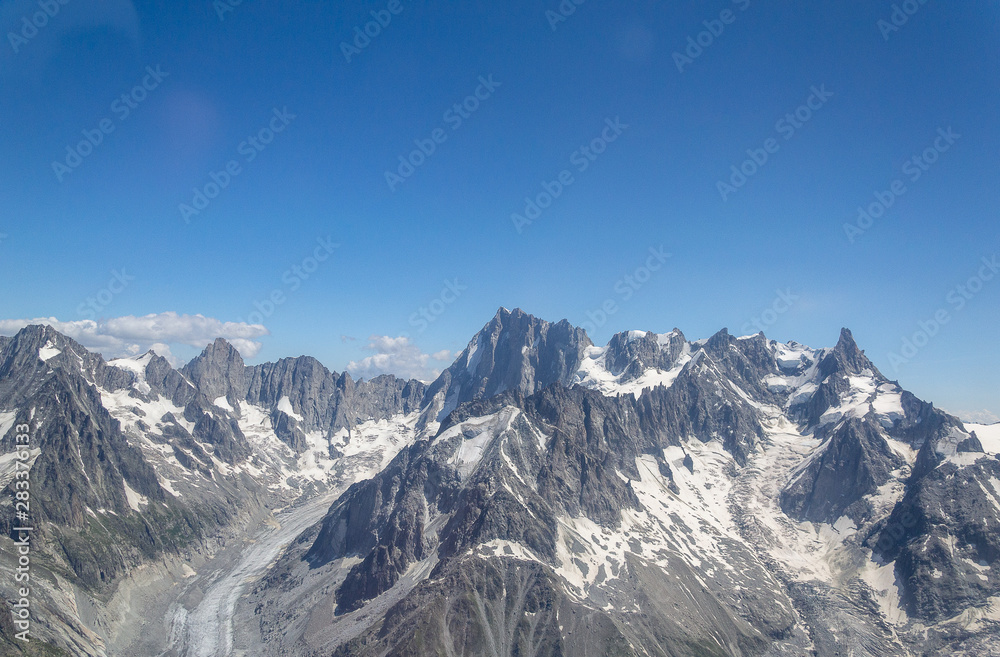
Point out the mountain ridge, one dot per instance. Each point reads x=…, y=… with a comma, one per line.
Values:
x=596, y=482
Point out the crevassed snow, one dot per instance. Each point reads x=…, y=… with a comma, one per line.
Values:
x=888, y=404
x=864, y=394
x=776, y=383
x=802, y=394
x=791, y=355
x=368, y=447
x=137, y=366
x=806, y=550
x=854, y=404
x=285, y=406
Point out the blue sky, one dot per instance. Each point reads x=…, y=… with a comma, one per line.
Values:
x=443, y=238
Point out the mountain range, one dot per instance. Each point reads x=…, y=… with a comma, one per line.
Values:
x=542, y=496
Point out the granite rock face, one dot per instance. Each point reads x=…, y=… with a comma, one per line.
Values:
x=219, y=372
x=516, y=352
x=855, y=463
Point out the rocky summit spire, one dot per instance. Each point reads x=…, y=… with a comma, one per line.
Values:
x=218, y=371
x=514, y=351
x=847, y=357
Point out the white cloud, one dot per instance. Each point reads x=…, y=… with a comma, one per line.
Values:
x=130, y=335
x=398, y=356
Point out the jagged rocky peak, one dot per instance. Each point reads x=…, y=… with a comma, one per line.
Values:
x=630, y=353
x=847, y=358
x=162, y=379
x=219, y=371
x=514, y=351
x=36, y=350
x=346, y=383
x=748, y=362
x=39, y=342
x=757, y=347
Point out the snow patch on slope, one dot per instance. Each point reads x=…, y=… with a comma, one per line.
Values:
x=285, y=406
x=129, y=411
x=509, y=549
x=135, y=500
x=49, y=351
x=9, y=465
x=473, y=356
x=694, y=525
x=7, y=419
x=886, y=587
